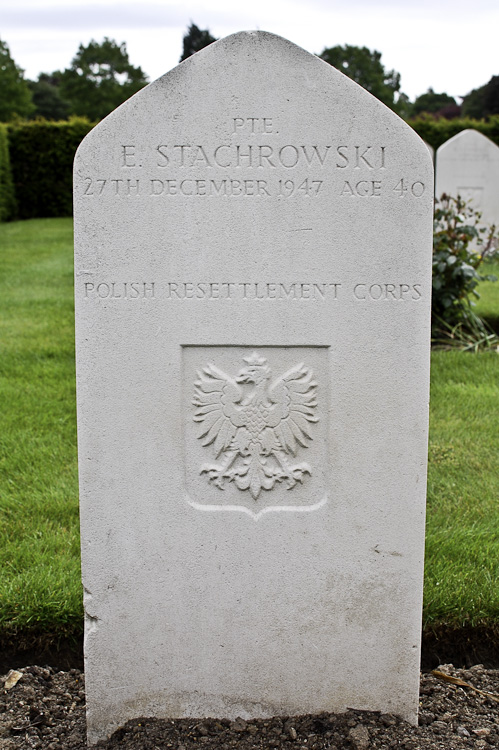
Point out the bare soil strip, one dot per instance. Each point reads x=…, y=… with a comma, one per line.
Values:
x=44, y=709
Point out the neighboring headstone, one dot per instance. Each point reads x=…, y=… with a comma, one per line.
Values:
x=253, y=277
x=468, y=165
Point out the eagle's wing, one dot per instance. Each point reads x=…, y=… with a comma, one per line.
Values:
x=215, y=397
x=294, y=405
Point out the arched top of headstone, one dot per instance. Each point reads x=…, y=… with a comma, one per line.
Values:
x=250, y=69
x=472, y=144
x=468, y=165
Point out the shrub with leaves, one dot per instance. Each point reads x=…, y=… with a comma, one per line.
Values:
x=438, y=130
x=460, y=245
x=41, y=157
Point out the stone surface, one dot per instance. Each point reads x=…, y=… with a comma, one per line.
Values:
x=12, y=679
x=468, y=165
x=431, y=150
x=359, y=737
x=253, y=276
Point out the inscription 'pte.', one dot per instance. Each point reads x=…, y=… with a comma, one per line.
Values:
x=253, y=125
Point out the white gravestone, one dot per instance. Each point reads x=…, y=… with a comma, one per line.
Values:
x=468, y=165
x=253, y=276
x=431, y=150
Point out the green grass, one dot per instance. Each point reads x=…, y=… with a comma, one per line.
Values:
x=462, y=540
x=39, y=545
x=488, y=304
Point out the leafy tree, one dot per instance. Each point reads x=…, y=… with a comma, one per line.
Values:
x=432, y=102
x=450, y=112
x=47, y=98
x=15, y=96
x=194, y=40
x=491, y=96
x=99, y=79
x=364, y=66
x=483, y=101
x=473, y=104
x=403, y=106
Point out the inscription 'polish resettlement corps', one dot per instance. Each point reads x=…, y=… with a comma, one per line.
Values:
x=251, y=291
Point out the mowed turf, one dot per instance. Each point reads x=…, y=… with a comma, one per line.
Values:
x=488, y=304
x=40, y=588
x=462, y=539
x=39, y=545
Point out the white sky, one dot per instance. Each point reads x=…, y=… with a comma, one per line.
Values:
x=450, y=45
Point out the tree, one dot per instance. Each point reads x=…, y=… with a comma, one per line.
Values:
x=450, y=112
x=15, y=96
x=365, y=67
x=194, y=40
x=403, y=106
x=491, y=97
x=47, y=98
x=432, y=102
x=99, y=79
x=483, y=101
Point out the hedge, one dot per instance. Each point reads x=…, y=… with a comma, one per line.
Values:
x=41, y=155
x=435, y=132
x=7, y=194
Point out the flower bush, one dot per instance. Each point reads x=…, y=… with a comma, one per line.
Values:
x=460, y=245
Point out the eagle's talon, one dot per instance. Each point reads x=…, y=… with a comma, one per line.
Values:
x=214, y=474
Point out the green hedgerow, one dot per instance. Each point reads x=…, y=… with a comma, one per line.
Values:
x=41, y=156
x=7, y=194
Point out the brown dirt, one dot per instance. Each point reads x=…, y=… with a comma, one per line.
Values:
x=461, y=646
x=46, y=710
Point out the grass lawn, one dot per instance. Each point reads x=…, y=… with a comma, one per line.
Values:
x=39, y=544
x=488, y=304
x=462, y=540
x=39, y=547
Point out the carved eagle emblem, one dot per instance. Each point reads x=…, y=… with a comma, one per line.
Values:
x=254, y=425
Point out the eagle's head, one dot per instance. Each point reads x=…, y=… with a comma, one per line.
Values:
x=257, y=370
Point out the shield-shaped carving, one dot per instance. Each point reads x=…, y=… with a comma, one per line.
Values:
x=255, y=428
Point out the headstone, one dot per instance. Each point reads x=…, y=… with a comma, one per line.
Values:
x=468, y=165
x=431, y=150
x=253, y=276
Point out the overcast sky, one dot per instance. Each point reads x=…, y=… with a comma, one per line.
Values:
x=450, y=45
